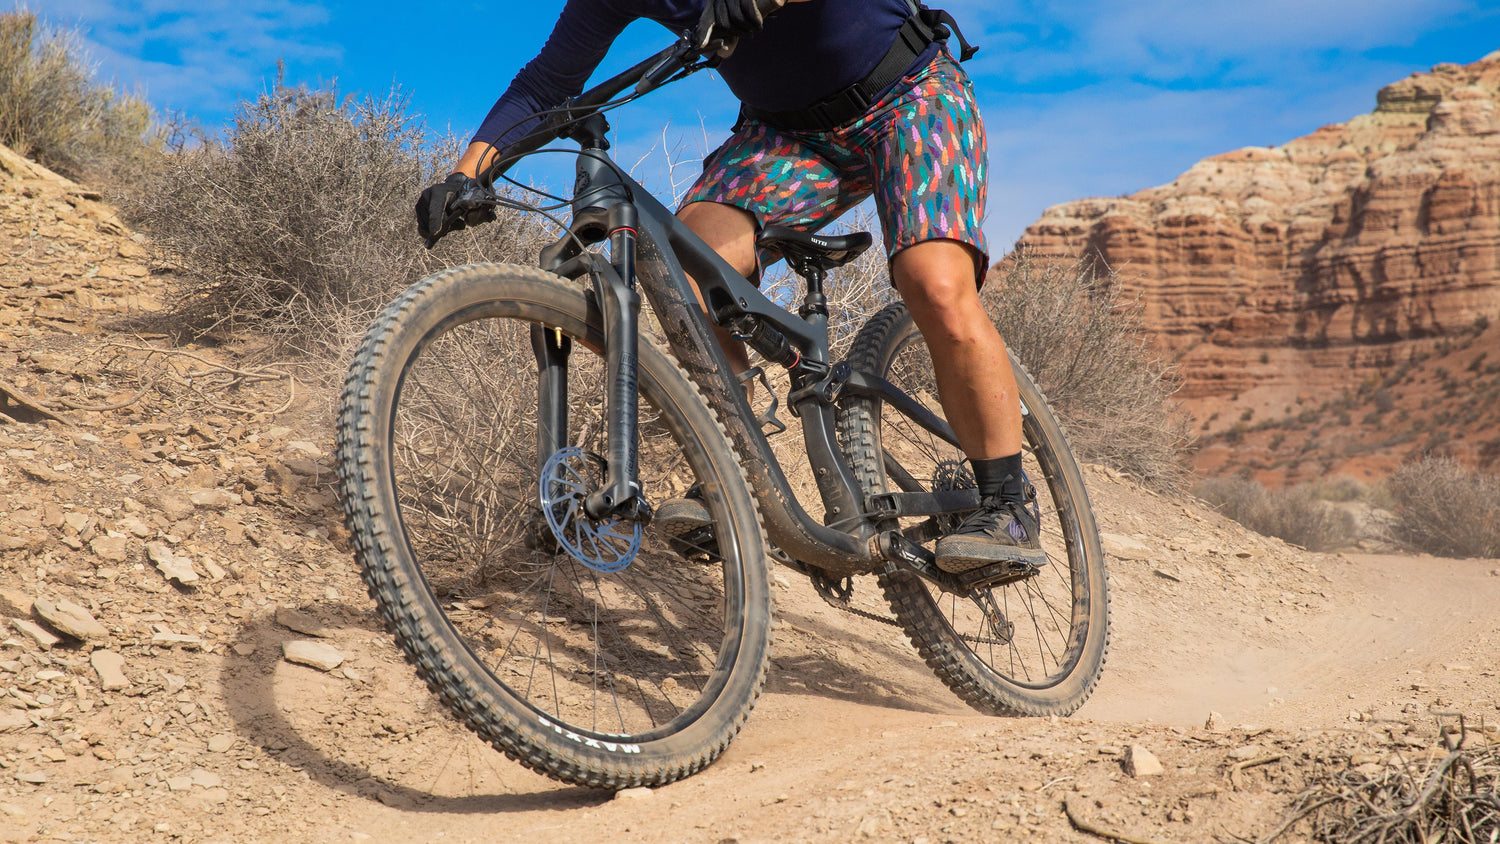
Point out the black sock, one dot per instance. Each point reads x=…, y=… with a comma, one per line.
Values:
x=1000, y=477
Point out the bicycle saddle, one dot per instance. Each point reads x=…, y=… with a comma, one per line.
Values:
x=805, y=249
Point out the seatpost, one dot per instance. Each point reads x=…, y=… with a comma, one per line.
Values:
x=815, y=303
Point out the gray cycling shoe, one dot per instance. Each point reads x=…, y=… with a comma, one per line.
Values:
x=999, y=531
x=686, y=524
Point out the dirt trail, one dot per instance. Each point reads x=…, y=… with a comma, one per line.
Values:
x=206, y=733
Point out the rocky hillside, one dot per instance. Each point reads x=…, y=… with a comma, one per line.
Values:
x=186, y=652
x=1301, y=278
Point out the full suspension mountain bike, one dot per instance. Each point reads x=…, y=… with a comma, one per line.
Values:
x=506, y=432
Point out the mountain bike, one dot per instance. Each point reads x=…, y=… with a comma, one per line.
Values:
x=506, y=433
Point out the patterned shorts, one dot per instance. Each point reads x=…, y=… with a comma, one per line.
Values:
x=920, y=151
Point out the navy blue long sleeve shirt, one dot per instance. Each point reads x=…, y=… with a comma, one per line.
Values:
x=806, y=52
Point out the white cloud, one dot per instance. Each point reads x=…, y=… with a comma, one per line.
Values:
x=1175, y=40
x=197, y=55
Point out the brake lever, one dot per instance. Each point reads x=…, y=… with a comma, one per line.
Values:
x=474, y=197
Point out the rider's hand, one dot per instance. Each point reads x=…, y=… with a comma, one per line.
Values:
x=733, y=18
x=435, y=203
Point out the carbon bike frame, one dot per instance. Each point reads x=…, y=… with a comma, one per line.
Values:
x=650, y=246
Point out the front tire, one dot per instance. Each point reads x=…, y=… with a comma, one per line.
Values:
x=634, y=677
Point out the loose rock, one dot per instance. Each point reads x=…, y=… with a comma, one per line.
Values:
x=174, y=504
x=13, y=720
x=67, y=617
x=111, y=548
x=214, y=499
x=300, y=622
x=319, y=655
x=1125, y=547
x=14, y=602
x=167, y=640
x=172, y=566
x=634, y=794
x=110, y=667
x=38, y=634
x=1140, y=762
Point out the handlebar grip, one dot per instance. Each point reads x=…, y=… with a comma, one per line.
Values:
x=766, y=7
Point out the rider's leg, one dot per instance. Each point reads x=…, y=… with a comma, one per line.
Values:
x=977, y=389
x=975, y=383
x=730, y=232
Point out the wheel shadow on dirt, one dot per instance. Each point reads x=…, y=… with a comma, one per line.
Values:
x=895, y=679
x=299, y=731
x=314, y=722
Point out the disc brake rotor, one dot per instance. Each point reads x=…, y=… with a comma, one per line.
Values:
x=605, y=545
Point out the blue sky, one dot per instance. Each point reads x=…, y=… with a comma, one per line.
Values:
x=1081, y=97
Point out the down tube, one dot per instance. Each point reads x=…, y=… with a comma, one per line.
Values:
x=686, y=327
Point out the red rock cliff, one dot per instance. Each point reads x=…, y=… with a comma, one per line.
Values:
x=1294, y=271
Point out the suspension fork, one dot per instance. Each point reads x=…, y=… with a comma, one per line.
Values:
x=551, y=348
x=621, y=306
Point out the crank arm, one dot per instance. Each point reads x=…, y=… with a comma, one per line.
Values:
x=901, y=554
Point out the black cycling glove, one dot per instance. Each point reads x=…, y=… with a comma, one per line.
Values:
x=733, y=18
x=432, y=205
x=435, y=203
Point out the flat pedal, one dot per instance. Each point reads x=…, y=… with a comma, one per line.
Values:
x=998, y=574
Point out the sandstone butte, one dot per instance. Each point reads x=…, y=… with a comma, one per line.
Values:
x=1279, y=276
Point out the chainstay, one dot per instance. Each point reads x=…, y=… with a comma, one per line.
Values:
x=843, y=605
x=840, y=605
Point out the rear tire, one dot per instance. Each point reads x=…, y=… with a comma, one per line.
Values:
x=1033, y=647
x=636, y=677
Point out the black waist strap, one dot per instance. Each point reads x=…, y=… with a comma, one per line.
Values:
x=842, y=107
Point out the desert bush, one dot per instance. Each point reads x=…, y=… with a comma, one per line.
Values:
x=1296, y=515
x=1446, y=508
x=1340, y=488
x=53, y=111
x=299, y=222
x=1079, y=337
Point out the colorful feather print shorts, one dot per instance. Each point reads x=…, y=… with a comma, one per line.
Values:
x=920, y=151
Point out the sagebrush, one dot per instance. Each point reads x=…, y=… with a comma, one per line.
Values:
x=1072, y=326
x=55, y=112
x=298, y=223
x=1446, y=508
x=1298, y=515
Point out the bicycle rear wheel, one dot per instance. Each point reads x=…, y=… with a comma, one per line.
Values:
x=600, y=677
x=1031, y=647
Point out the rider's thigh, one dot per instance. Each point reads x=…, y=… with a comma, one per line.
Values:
x=729, y=231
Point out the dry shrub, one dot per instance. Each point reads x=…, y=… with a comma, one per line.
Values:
x=1454, y=798
x=1080, y=338
x=1446, y=508
x=1296, y=515
x=53, y=111
x=299, y=223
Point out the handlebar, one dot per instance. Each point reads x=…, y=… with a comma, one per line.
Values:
x=645, y=76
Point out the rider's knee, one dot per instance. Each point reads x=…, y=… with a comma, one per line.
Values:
x=727, y=230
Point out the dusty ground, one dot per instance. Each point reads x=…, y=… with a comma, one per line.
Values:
x=210, y=465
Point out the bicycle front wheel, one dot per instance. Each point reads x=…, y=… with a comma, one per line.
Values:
x=1035, y=646
x=612, y=667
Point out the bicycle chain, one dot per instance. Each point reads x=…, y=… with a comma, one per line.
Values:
x=826, y=590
